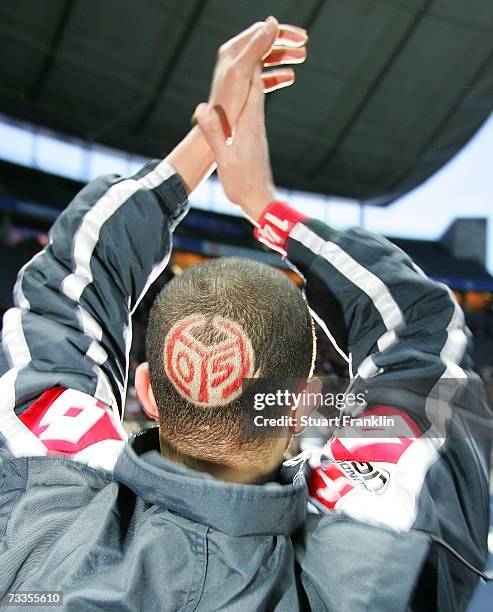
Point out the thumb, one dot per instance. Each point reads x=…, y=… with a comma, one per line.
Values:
x=259, y=46
x=211, y=127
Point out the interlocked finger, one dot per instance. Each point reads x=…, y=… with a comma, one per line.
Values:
x=280, y=55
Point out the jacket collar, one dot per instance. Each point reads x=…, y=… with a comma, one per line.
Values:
x=234, y=509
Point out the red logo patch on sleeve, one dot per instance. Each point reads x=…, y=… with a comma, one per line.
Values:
x=68, y=421
x=361, y=458
x=275, y=224
x=372, y=443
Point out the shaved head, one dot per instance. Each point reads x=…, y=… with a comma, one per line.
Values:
x=217, y=324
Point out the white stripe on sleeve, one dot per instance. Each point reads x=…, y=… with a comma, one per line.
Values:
x=365, y=280
x=87, y=236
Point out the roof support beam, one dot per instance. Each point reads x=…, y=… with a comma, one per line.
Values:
x=40, y=80
x=428, y=144
x=170, y=67
x=392, y=58
x=315, y=12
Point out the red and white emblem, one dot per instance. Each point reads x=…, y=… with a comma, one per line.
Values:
x=66, y=421
x=208, y=375
x=361, y=462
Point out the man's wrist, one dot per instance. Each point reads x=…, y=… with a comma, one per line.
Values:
x=192, y=159
x=258, y=203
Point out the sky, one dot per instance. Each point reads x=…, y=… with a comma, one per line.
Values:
x=462, y=188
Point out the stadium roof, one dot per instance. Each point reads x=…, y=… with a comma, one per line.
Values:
x=392, y=88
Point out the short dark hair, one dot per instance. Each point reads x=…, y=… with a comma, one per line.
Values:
x=261, y=323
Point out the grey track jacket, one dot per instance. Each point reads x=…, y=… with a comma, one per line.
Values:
x=115, y=526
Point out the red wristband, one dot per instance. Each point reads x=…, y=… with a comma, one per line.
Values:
x=275, y=224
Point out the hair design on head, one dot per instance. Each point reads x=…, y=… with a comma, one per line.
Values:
x=208, y=373
x=211, y=328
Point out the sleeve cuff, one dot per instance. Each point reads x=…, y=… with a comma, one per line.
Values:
x=173, y=198
x=275, y=224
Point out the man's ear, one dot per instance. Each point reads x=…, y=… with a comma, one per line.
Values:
x=144, y=391
x=310, y=396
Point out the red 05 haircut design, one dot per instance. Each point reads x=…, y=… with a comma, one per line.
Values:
x=208, y=375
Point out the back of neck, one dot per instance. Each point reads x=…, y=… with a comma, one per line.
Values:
x=218, y=470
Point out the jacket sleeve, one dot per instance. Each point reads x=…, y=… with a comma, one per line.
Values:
x=70, y=326
x=406, y=345
x=350, y=565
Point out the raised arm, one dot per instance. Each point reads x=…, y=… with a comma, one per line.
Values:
x=71, y=322
x=384, y=492
x=70, y=327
